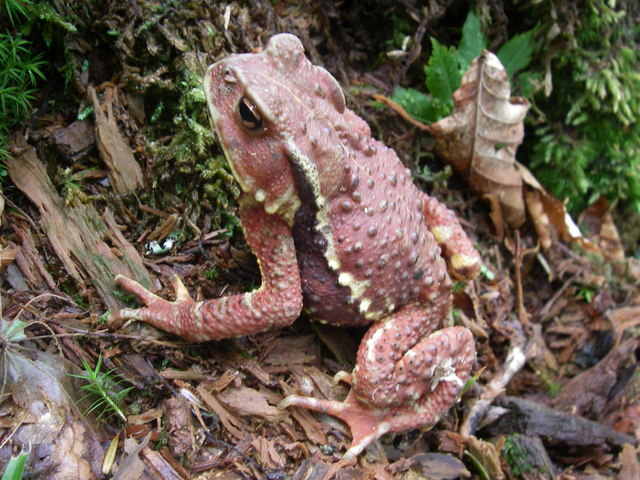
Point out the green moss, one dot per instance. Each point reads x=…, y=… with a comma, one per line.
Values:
x=515, y=456
x=189, y=164
x=586, y=142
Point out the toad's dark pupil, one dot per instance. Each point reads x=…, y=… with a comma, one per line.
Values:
x=249, y=115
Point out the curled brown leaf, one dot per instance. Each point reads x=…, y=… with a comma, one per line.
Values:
x=480, y=138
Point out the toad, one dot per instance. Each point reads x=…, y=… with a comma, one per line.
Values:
x=339, y=231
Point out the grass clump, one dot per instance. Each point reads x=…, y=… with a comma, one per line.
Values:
x=18, y=77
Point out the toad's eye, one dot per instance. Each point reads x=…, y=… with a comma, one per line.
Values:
x=249, y=116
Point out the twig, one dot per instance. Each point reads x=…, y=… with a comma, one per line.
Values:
x=402, y=112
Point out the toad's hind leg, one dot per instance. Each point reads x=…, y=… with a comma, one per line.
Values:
x=402, y=361
x=406, y=376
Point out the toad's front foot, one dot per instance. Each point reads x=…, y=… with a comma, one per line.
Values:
x=161, y=313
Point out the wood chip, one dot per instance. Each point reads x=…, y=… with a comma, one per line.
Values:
x=249, y=402
x=75, y=140
x=231, y=423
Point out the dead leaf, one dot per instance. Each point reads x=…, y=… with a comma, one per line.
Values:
x=249, y=402
x=45, y=415
x=488, y=456
x=541, y=222
x=7, y=256
x=550, y=217
x=480, y=138
x=630, y=466
x=131, y=466
x=598, y=221
x=434, y=465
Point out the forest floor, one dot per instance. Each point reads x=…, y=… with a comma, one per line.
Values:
x=557, y=328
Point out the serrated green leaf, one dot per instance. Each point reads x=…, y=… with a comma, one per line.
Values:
x=473, y=41
x=443, y=75
x=516, y=53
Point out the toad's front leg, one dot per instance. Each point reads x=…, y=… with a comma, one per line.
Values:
x=277, y=302
x=405, y=378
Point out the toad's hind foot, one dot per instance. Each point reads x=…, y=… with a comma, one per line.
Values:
x=368, y=423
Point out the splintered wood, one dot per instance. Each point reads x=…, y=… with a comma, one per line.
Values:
x=124, y=172
x=91, y=248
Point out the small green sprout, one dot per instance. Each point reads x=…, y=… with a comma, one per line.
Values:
x=103, y=389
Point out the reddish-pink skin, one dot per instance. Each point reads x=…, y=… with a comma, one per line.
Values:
x=349, y=238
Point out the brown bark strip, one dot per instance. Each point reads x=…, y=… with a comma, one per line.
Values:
x=124, y=172
x=90, y=250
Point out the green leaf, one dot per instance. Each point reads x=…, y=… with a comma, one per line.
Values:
x=16, y=8
x=516, y=53
x=12, y=331
x=529, y=83
x=443, y=75
x=15, y=466
x=419, y=105
x=472, y=42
